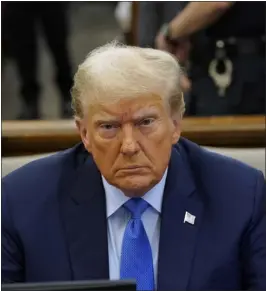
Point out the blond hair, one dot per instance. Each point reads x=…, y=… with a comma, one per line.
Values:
x=116, y=71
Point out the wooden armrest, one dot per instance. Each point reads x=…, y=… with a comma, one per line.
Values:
x=229, y=131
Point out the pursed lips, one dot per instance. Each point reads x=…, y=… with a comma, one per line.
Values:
x=133, y=167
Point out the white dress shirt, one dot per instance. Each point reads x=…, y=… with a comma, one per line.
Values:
x=118, y=218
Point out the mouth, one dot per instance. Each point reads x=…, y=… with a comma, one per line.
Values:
x=132, y=168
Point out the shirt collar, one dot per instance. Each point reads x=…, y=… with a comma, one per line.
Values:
x=115, y=198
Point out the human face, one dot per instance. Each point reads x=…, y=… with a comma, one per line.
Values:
x=130, y=141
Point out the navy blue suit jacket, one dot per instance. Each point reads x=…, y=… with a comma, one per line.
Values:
x=54, y=225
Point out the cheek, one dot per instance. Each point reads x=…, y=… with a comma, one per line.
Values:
x=156, y=144
x=161, y=134
x=104, y=151
x=99, y=145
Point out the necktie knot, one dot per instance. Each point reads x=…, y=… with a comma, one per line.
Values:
x=136, y=206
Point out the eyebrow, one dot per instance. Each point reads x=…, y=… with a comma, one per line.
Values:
x=118, y=120
x=150, y=112
x=107, y=120
x=146, y=113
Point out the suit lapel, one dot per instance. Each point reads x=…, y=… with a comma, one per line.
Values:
x=83, y=210
x=178, y=239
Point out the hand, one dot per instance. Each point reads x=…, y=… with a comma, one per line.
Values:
x=181, y=50
x=162, y=44
x=185, y=83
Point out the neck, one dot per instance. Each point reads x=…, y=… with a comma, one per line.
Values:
x=137, y=193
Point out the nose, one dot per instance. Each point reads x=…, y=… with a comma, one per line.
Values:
x=129, y=145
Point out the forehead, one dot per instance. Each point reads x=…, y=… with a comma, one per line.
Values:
x=127, y=108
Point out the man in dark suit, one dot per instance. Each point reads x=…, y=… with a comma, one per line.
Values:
x=134, y=200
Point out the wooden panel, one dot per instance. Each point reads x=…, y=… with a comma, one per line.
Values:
x=226, y=131
x=37, y=137
x=134, y=22
x=33, y=137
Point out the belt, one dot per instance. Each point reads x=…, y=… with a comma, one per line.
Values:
x=242, y=45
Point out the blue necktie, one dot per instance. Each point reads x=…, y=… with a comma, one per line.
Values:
x=136, y=257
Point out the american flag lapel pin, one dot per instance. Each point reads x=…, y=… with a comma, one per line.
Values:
x=189, y=218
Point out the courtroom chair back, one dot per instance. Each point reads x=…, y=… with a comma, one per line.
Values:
x=254, y=157
x=9, y=164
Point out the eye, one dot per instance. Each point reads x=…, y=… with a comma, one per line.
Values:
x=108, y=126
x=147, y=121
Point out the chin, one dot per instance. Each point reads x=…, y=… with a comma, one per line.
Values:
x=136, y=185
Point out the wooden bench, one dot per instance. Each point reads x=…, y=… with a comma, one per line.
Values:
x=37, y=137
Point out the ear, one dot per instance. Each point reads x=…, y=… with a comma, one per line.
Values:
x=176, y=130
x=83, y=132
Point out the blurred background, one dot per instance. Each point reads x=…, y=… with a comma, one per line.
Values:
x=220, y=45
x=43, y=42
x=90, y=24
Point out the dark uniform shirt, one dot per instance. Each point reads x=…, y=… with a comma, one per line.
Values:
x=243, y=19
x=244, y=25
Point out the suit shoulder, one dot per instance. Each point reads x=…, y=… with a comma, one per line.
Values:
x=219, y=167
x=35, y=169
x=230, y=168
x=39, y=175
